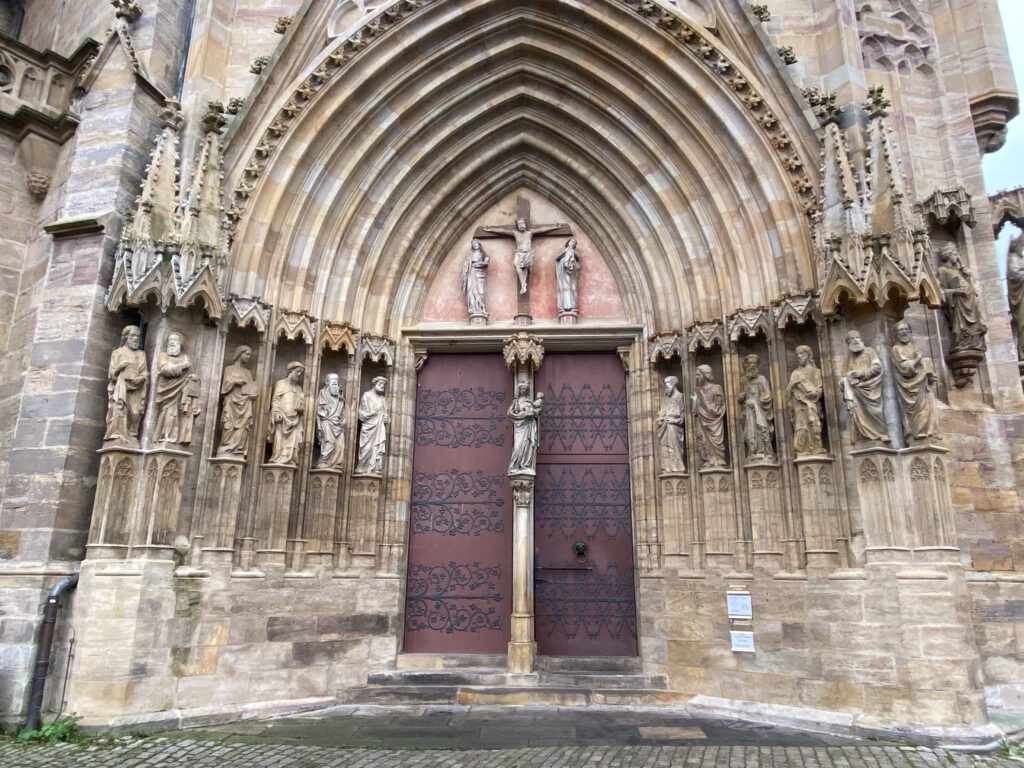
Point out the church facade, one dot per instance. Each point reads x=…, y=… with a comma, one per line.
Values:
x=622, y=352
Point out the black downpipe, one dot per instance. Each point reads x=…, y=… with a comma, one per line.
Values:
x=43, y=648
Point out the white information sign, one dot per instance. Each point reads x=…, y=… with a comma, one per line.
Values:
x=739, y=605
x=742, y=642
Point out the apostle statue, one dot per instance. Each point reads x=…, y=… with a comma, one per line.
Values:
x=862, y=391
x=474, y=280
x=758, y=414
x=1015, y=288
x=804, y=393
x=127, y=382
x=330, y=427
x=236, y=416
x=671, y=430
x=961, y=302
x=915, y=379
x=373, y=429
x=567, y=272
x=523, y=236
x=177, y=394
x=525, y=414
x=709, y=408
x=286, y=409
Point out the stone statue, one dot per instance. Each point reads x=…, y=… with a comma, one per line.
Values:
x=523, y=236
x=862, y=391
x=525, y=415
x=961, y=302
x=128, y=381
x=758, y=415
x=474, y=279
x=373, y=429
x=236, y=417
x=804, y=392
x=1015, y=288
x=671, y=428
x=915, y=379
x=286, y=409
x=330, y=426
x=177, y=394
x=709, y=408
x=567, y=272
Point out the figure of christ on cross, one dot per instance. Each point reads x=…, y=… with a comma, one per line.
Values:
x=523, y=234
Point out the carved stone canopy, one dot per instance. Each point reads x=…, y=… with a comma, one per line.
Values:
x=665, y=346
x=706, y=335
x=338, y=337
x=523, y=349
x=750, y=322
x=377, y=349
x=248, y=311
x=950, y=207
x=795, y=309
x=295, y=324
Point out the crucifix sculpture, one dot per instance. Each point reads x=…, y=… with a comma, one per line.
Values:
x=523, y=234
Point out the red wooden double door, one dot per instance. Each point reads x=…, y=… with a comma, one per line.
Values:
x=459, y=586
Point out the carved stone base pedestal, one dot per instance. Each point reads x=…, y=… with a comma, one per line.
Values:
x=819, y=511
x=156, y=516
x=680, y=536
x=719, y=508
x=764, y=492
x=364, y=513
x=223, y=493
x=138, y=497
x=321, y=514
x=478, y=320
x=273, y=511
x=883, y=509
x=931, y=509
x=567, y=317
x=524, y=319
x=116, y=491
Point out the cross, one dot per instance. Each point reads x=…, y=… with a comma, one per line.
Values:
x=523, y=234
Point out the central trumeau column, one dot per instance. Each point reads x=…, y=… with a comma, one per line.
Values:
x=523, y=355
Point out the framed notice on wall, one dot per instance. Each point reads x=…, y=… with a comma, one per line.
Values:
x=742, y=642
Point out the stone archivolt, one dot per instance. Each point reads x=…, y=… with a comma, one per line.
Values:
x=669, y=142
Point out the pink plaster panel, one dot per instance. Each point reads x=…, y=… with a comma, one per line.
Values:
x=599, y=294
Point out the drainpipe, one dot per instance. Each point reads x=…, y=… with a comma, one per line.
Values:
x=43, y=647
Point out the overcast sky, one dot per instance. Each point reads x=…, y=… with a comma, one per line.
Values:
x=1005, y=169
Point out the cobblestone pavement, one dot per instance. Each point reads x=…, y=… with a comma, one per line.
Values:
x=167, y=752
x=490, y=737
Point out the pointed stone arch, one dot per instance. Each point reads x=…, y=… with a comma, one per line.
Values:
x=646, y=132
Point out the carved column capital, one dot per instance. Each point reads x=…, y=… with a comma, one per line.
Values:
x=523, y=349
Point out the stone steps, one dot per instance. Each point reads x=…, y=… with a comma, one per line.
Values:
x=558, y=682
